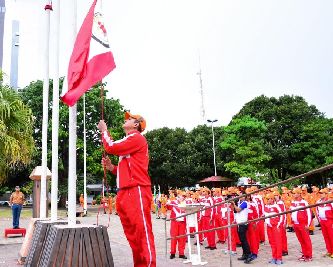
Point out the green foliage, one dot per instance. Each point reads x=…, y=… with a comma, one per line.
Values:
x=244, y=144
x=32, y=96
x=315, y=146
x=285, y=118
x=16, y=126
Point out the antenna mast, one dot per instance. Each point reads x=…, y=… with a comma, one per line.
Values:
x=202, y=109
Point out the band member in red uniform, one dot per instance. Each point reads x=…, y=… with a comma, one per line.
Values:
x=325, y=216
x=134, y=196
x=178, y=226
x=273, y=229
x=301, y=221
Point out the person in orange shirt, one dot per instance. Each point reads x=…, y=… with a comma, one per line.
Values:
x=16, y=202
x=110, y=203
x=81, y=199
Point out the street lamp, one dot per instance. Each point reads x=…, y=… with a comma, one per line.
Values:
x=211, y=122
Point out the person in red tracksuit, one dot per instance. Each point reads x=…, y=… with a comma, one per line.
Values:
x=273, y=229
x=251, y=234
x=301, y=221
x=134, y=186
x=218, y=216
x=260, y=225
x=177, y=227
x=283, y=225
x=325, y=216
x=207, y=219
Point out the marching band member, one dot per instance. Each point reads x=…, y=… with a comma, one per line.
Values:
x=301, y=221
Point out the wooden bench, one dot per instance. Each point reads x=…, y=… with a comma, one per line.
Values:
x=12, y=231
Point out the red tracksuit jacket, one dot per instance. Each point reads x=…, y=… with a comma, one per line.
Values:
x=132, y=169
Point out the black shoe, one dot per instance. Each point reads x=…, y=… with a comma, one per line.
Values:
x=285, y=253
x=172, y=256
x=290, y=229
x=182, y=257
x=242, y=258
x=208, y=247
x=248, y=260
x=311, y=232
x=212, y=248
x=318, y=225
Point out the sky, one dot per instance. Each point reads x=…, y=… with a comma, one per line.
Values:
x=243, y=48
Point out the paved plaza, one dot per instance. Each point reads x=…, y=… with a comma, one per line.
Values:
x=9, y=247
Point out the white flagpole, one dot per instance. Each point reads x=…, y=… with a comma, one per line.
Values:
x=55, y=116
x=43, y=195
x=84, y=158
x=72, y=132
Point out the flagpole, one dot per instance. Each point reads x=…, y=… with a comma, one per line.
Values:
x=84, y=158
x=72, y=132
x=43, y=195
x=55, y=116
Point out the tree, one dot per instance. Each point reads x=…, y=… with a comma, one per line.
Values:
x=244, y=144
x=202, y=157
x=285, y=118
x=32, y=96
x=315, y=147
x=16, y=141
x=168, y=153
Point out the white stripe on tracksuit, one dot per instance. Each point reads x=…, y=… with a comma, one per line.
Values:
x=145, y=224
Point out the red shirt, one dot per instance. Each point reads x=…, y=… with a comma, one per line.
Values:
x=132, y=169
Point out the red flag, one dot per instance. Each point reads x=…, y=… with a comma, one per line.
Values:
x=91, y=59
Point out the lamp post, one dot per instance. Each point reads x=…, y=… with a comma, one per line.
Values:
x=212, y=122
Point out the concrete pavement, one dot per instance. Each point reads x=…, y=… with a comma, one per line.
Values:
x=9, y=247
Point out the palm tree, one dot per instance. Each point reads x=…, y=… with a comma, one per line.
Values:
x=16, y=141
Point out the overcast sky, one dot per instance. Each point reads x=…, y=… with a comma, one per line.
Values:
x=247, y=48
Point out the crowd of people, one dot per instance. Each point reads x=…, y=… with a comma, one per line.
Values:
x=249, y=235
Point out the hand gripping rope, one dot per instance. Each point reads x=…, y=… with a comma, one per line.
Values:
x=104, y=202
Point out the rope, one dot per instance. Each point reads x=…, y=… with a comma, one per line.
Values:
x=104, y=182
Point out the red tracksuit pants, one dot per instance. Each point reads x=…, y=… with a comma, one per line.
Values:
x=178, y=228
x=261, y=231
x=234, y=236
x=133, y=207
x=304, y=239
x=284, y=240
x=218, y=221
x=206, y=225
x=253, y=238
x=327, y=231
x=274, y=238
